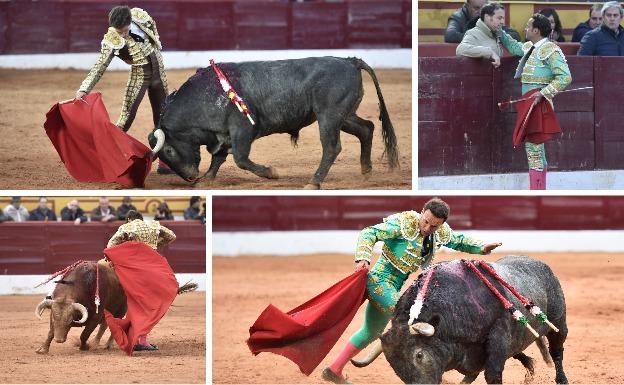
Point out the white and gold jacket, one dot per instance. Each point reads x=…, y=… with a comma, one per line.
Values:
x=127, y=49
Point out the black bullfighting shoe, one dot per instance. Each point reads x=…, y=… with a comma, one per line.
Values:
x=140, y=348
x=330, y=376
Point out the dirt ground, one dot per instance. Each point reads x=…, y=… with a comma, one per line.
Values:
x=180, y=335
x=244, y=286
x=28, y=159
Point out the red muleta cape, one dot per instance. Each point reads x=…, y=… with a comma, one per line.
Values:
x=307, y=333
x=92, y=148
x=541, y=124
x=150, y=287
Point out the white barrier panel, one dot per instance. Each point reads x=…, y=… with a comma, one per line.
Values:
x=560, y=180
x=288, y=243
x=376, y=58
x=25, y=284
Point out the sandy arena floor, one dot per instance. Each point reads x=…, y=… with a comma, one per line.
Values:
x=244, y=286
x=181, y=336
x=28, y=159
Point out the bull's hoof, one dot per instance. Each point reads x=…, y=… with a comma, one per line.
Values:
x=367, y=173
x=273, y=173
x=84, y=347
x=42, y=350
x=312, y=186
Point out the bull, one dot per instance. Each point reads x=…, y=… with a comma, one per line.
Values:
x=72, y=304
x=283, y=96
x=464, y=327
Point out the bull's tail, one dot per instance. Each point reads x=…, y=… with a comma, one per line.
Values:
x=387, y=130
x=187, y=287
x=543, y=348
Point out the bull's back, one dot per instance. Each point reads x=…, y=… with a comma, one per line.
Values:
x=286, y=95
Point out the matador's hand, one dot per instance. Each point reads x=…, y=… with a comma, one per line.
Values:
x=359, y=265
x=537, y=97
x=80, y=94
x=488, y=247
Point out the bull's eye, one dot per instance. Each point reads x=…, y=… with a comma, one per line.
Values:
x=419, y=356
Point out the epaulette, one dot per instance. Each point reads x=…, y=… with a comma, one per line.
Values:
x=409, y=224
x=155, y=225
x=547, y=49
x=444, y=233
x=140, y=16
x=113, y=40
x=526, y=46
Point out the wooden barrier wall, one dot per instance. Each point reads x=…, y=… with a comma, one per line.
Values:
x=461, y=130
x=78, y=26
x=43, y=248
x=266, y=213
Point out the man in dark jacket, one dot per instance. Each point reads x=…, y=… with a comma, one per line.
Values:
x=126, y=205
x=465, y=18
x=42, y=212
x=193, y=211
x=594, y=21
x=73, y=212
x=608, y=40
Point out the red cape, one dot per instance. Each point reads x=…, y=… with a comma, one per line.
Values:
x=150, y=287
x=92, y=148
x=541, y=124
x=307, y=333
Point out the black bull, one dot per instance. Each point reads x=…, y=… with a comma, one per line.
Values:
x=284, y=96
x=464, y=327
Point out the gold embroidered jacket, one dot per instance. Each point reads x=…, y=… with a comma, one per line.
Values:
x=546, y=68
x=151, y=233
x=130, y=51
x=403, y=242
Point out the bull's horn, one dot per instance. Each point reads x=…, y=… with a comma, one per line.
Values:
x=45, y=304
x=160, y=141
x=422, y=328
x=372, y=354
x=83, y=311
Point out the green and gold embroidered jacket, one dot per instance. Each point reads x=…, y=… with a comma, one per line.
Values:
x=403, y=242
x=127, y=49
x=546, y=68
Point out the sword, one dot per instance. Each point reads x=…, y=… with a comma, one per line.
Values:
x=504, y=104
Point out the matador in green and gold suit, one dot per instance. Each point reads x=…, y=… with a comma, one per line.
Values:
x=141, y=49
x=544, y=67
x=406, y=248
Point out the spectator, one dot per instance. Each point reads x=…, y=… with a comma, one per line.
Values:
x=3, y=218
x=608, y=39
x=126, y=205
x=16, y=211
x=202, y=214
x=465, y=18
x=483, y=40
x=555, y=24
x=458, y=22
x=73, y=212
x=192, y=212
x=104, y=212
x=163, y=212
x=594, y=21
x=42, y=212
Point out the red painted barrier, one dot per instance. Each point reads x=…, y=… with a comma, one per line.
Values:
x=462, y=131
x=43, y=247
x=272, y=213
x=78, y=26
